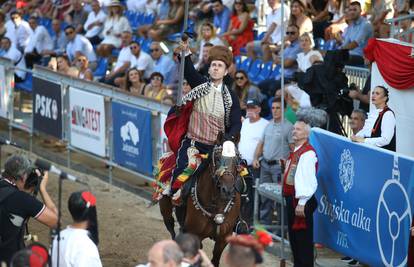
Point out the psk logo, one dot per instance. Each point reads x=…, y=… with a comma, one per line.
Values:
x=54, y=110
x=393, y=221
x=346, y=170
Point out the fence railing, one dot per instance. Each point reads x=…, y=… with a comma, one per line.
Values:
x=397, y=31
x=358, y=76
x=81, y=115
x=97, y=120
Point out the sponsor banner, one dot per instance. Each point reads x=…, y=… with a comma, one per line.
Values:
x=365, y=200
x=87, y=122
x=132, y=137
x=4, y=93
x=47, y=107
x=163, y=137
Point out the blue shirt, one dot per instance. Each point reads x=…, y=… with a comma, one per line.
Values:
x=291, y=52
x=359, y=31
x=59, y=43
x=165, y=66
x=222, y=20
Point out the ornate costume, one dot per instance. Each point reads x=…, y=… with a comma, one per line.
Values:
x=207, y=110
x=299, y=185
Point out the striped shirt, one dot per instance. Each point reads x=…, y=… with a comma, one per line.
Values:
x=207, y=118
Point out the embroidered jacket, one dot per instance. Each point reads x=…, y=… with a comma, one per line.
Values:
x=201, y=86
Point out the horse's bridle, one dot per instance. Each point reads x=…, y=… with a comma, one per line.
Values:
x=219, y=217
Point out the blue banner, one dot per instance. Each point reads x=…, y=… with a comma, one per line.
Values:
x=132, y=137
x=365, y=200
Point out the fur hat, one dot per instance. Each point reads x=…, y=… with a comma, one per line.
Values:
x=221, y=53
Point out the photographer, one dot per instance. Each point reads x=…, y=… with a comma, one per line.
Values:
x=17, y=205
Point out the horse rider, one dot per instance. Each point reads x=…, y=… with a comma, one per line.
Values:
x=208, y=109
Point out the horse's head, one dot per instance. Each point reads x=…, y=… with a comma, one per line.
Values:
x=226, y=173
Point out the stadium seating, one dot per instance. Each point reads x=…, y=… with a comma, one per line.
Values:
x=264, y=74
x=26, y=85
x=255, y=69
x=245, y=65
x=237, y=61
x=101, y=68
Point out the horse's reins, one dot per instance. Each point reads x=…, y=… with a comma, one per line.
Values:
x=217, y=218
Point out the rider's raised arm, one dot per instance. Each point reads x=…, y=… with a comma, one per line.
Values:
x=193, y=77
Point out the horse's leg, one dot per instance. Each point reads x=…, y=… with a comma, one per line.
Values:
x=166, y=209
x=181, y=212
x=219, y=246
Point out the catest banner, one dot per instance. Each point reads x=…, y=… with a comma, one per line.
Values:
x=4, y=93
x=365, y=200
x=132, y=137
x=87, y=122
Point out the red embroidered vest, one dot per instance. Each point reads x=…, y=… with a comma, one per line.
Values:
x=290, y=170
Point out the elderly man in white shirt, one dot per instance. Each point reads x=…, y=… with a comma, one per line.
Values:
x=39, y=43
x=18, y=32
x=94, y=23
x=12, y=53
x=79, y=44
x=299, y=187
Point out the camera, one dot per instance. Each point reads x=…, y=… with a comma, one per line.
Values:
x=33, y=180
x=345, y=91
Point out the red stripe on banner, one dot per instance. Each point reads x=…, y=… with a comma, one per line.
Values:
x=395, y=62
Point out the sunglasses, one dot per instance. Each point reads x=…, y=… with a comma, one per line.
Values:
x=156, y=78
x=154, y=50
x=291, y=33
x=133, y=47
x=239, y=77
x=69, y=32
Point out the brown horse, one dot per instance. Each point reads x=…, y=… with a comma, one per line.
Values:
x=212, y=210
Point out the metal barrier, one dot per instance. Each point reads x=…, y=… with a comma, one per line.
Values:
x=358, y=76
x=24, y=119
x=397, y=31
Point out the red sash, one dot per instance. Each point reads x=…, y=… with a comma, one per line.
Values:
x=289, y=179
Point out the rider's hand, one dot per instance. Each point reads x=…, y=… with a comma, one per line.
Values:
x=256, y=164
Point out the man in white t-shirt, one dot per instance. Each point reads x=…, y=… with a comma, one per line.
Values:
x=78, y=242
x=12, y=53
x=94, y=23
x=274, y=31
x=141, y=60
x=39, y=43
x=250, y=135
x=123, y=62
x=19, y=31
x=79, y=44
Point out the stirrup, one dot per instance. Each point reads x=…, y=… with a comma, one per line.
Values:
x=176, y=198
x=167, y=190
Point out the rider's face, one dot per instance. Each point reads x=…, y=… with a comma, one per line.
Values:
x=217, y=70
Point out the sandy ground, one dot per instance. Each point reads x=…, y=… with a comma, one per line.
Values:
x=127, y=226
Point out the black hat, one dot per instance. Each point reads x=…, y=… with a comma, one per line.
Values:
x=252, y=102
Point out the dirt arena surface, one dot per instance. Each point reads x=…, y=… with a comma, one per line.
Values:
x=127, y=227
